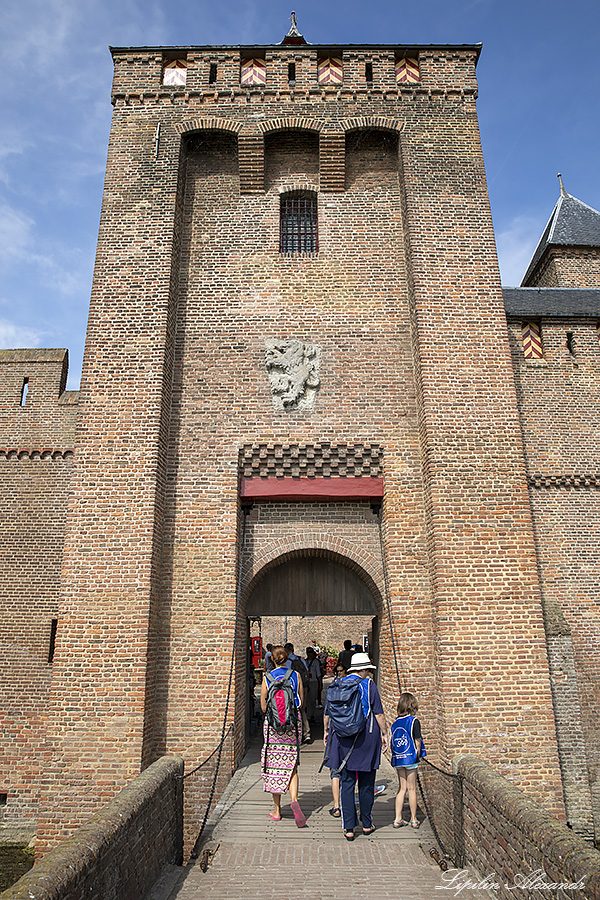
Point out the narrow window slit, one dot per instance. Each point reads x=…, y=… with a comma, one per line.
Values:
x=570, y=343
x=212, y=74
x=369, y=71
x=292, y=73
x=53, y=629
x=24, y=391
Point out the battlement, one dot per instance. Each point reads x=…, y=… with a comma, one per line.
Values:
x=314, y=72
x=35, y=408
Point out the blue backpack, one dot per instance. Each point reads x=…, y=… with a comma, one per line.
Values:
x=345, y=709
x=346, y=714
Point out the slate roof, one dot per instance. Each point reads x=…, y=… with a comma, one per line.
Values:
x=551, y=303
x=572, y=224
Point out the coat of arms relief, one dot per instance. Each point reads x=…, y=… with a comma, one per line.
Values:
x=293, y=369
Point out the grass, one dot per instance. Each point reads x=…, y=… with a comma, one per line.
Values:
x=15, y=860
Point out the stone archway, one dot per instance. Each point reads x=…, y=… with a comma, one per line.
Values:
x=319, y=586
x=310, y=585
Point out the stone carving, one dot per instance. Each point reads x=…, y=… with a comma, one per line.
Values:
x=293, y=368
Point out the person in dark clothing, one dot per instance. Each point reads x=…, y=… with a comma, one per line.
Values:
x=296, y=663
x=364, y=751
x=345, y=657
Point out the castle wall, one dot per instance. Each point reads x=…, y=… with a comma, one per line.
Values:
x=487, y=612
x=36, y=457
x=403, y=301
x=237, y=294
x=327, y=631
x=558, y=399
x=573, y=267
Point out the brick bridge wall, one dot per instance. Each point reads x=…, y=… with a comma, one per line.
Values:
x=508, y=838
x=120, y=852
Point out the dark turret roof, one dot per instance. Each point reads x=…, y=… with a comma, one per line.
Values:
x=572, y=224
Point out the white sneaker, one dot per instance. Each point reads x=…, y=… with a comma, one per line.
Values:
x=379, y=789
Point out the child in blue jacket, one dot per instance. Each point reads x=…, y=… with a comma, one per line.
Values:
x=407, y=749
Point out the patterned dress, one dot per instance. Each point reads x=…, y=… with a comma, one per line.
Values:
x=279, y=753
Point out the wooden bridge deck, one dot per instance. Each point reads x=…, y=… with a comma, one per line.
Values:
x=251, y=856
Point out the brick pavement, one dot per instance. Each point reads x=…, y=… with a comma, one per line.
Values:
x=251, y=856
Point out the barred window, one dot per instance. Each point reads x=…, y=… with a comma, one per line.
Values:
x=298, y=223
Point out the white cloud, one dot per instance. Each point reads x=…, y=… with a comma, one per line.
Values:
x=35, y=33
x=12, y=143
x=516, y=245
x=57, y=266
x=13, y=336
x=15, y=236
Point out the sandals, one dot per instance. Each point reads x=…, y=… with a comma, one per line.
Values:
x=335, y=812
x=401, y=823
x=274, y=817
x=415, y=823
x=349, y=835
x=368, y=831
x=299, y=816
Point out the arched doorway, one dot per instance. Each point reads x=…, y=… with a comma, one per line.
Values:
x=314, y=585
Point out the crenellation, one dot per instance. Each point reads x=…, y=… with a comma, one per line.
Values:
x=136, y=73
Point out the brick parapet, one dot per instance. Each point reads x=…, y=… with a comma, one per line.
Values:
x=121, y=851
x=506, y=834
x=35, y=409
x=138, y=72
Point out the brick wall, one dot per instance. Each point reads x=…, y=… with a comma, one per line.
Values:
x=558, y=400
x=327, y=631
x=120, y=852
x=487, y=611
x=575, y=267
x=37, y=429
x=508, y=838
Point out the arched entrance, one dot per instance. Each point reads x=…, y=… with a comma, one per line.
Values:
x=311, y=585
x=314, y=585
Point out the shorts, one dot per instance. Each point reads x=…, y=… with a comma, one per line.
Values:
x=408, y=768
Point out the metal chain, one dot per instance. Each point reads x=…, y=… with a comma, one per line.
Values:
x=393, y=640
x=219, y=749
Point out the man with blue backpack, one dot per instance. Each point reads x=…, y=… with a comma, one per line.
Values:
x=355, y=733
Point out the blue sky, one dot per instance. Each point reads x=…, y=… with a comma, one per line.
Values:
x=539, y=90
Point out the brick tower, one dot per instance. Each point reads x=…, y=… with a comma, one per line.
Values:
x=297, y=398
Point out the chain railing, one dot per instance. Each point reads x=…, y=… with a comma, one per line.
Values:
x=442, y=795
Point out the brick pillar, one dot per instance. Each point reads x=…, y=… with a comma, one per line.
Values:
x=251, y=150
x=490, y=644
x=100, y=709
x=332, y=160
